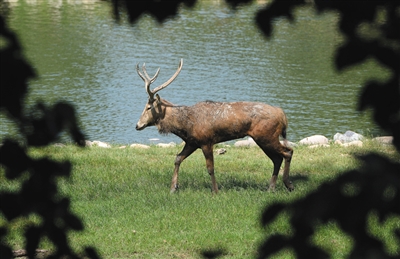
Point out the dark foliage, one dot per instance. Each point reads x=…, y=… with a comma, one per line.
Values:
x=160, y=10
x=377, y=181
x=38, y=192
x=377, y=175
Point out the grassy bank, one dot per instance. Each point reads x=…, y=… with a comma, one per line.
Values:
x=123, y=199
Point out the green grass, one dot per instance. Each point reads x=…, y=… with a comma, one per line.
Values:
x=123, y=199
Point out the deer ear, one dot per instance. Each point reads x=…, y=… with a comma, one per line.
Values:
x=158, y=99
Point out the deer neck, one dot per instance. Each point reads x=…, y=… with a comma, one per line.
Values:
x=176, y=120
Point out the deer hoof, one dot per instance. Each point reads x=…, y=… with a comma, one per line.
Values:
x=271, y=188
x=174, y=189
x=289, y=186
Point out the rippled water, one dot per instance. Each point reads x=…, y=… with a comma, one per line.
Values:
x=84, y=57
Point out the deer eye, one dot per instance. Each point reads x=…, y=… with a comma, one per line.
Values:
x=148, y=108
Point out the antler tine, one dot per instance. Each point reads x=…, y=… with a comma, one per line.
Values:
x=147, y=75
x=155, y=76
x=158, y=88
x=140, y=74
x=145, y=71
x=146, y=79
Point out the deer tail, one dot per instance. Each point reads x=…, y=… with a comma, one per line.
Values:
x=283, y=133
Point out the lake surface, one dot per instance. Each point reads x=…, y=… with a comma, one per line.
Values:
x=84, y=57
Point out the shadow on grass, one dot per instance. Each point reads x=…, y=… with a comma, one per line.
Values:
x=237, y=184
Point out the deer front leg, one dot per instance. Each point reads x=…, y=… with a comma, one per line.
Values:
x=208, y=154
x=186, y=151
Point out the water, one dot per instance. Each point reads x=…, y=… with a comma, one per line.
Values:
x=83, y=56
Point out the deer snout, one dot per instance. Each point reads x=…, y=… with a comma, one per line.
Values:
x=140, y=126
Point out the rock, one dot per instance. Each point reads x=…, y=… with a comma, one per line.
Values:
x=357, y=143
x=59, y=145
x=314, y=140
x=319, y=145
x=289, y=144
x=245, y=143
x=220, y=151
x=88, y=143
x=384, y=140
x=139, y=146
x=39, y=253
x=348, y=136
x=100, y=144
x=171, y=144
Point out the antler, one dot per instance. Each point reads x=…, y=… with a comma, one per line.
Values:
x=148, y=81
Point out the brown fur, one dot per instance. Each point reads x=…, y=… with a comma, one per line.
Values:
x=207, y=123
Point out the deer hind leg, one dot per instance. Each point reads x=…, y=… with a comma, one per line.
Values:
x=277, y=161
x=277, y=153
x=186, y=151
x=208, y=154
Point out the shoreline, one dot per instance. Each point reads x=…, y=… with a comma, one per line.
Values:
x=349, y=138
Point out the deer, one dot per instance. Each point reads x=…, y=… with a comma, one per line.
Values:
x=207, y=123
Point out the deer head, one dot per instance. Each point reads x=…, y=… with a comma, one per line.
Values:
x=153, y=111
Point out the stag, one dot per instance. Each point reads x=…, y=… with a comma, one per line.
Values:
x=207, y=123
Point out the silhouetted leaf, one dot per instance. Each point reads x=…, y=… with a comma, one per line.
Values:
x=33, y=235
x=277, y=8
x=91, y=253
x=15, y=73
x=271, y=212
x=5, y=251
x=210, y=254
x=73, y=222
x=14, y=159
x=274, y=244
x=161, y=9
x=350, y=54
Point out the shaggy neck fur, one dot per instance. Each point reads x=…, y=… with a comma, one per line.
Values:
x=176, y=120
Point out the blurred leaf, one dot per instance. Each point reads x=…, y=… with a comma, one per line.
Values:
x=271, y=212
x=14, y=159
x=91, y=253
x=277, y=8
x=350, y=54
x=32, y=235
x=5, y=251
x=272, y=245
x=210, y=254
x=159, y=9
x=15, y=73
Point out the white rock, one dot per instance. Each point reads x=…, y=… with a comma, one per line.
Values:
x=319, y=145
x=348, y=136
x=289, y=144
x=245, y=143
x=171, y=144
x=314, y=140
x=139, y=146
x=88, y=143
x=220, y=151
x=100, y=144
x=357, y=143
x=384, y=139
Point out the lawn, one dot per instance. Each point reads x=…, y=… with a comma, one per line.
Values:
x=122, y=197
